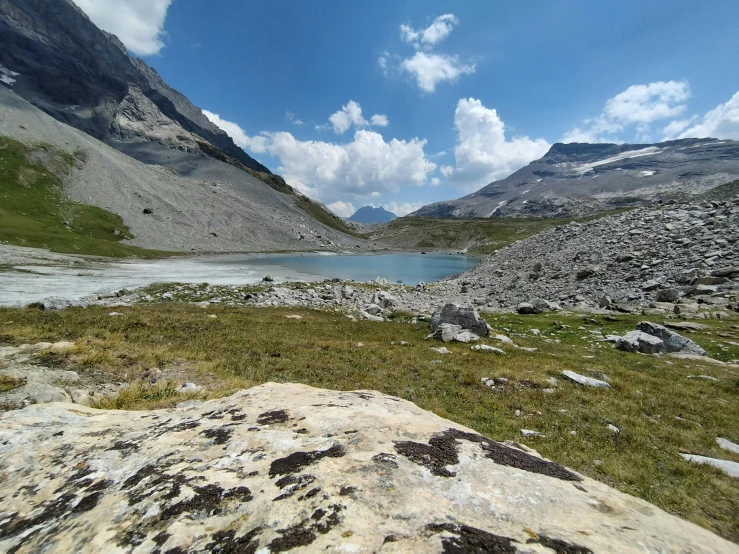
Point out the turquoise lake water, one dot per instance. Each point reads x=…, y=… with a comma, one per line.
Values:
x=410, y=268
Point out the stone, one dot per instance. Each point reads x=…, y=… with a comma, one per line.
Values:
x=294, y=316
x=725, y=271
x=686, y=325
x=538, y=266
x=115, y=314
x=384, y=299
x=545, y=305
x=467, y=318
x=728, y=445
x=441, y=349
x=668, y=295
x=728, y=467
x=445, y=332
x=605, y=301
x=527, y=308
x=347, y=292
x=673, y=342
x=465, y=337
x=639, y=341
x=233, y=475
x=487, y=348
x=650, y=285
x=613, y=428
x=530, y=433
x=586, y=273
x=268, y=279
x=587, y=381
x=370, y=317
x=189, y=388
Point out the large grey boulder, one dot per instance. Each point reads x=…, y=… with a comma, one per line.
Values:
x=466, y=318
x=673, y=342
x=639, y=341
x=286, y=466
x=527, y=308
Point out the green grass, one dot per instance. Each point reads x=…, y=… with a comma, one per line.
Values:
x=480, y=236
x=659, y=407
x=35, y=212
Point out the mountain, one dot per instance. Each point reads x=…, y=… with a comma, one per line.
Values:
x=84, y=77
x=583, y=179
x=138, y=148
x=369, y=215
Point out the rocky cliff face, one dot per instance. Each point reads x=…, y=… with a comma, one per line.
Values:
x=81, y=75
x=285, y=466
x=584, y=179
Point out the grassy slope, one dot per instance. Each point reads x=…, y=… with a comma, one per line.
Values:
x=659, y=409
x=35, y=212
x=480, y=236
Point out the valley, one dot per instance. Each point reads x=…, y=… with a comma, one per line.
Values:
x=198, y=355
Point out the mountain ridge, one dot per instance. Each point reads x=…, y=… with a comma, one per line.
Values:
x=370, y=215
x=580, y=179
x=80, y=74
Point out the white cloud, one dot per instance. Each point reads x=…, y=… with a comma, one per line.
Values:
x=255, y=144
x=348, y=115
x=483, y=154
x=351, y=115
x=427, y=68
x=431, y=69
x=634, y=109
x=138, y=23
x=342, y=209
x=722, y=122
x=379, y=120
x=648, y=103
x=403, y=209
x=674, y=128
x=366, y=167
x=435, y=182
x=431, y=35
x=290, y=116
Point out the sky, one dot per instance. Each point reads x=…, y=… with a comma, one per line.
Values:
x=403, y=103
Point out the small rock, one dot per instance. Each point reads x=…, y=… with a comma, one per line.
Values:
x=487, y=348
x=613, y=428
x=530, y=433
x=587, y=381
x=441, y=349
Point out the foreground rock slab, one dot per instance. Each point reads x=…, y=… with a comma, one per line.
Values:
x=286, y=466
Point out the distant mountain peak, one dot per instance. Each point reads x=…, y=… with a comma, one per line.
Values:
x=370, y=215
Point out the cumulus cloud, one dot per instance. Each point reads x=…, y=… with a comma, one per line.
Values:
x=255, y=144
x=366, y=167
x=483, y=154
x=431, y=35
x=431, y=69
x=403, y=209
x=722, y=122
x=379, y=120
x=351, y=115
x=342, y=209
x=633, y=110
x=427, y=68
x=138, y=23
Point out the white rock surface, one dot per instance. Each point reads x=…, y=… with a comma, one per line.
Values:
x=587, y=381
x=727, y=466
x=285, y=466
x=726, y=444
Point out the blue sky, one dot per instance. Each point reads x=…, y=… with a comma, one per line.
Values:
x=405, y=103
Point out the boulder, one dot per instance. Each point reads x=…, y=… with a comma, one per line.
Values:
x=287, y=466
x=673, y=342
x=447, y=332
x=545, y=305
x=466, y=318
x=384, y=299
x=639, y=341
x=668, y=295
x=527, y=308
